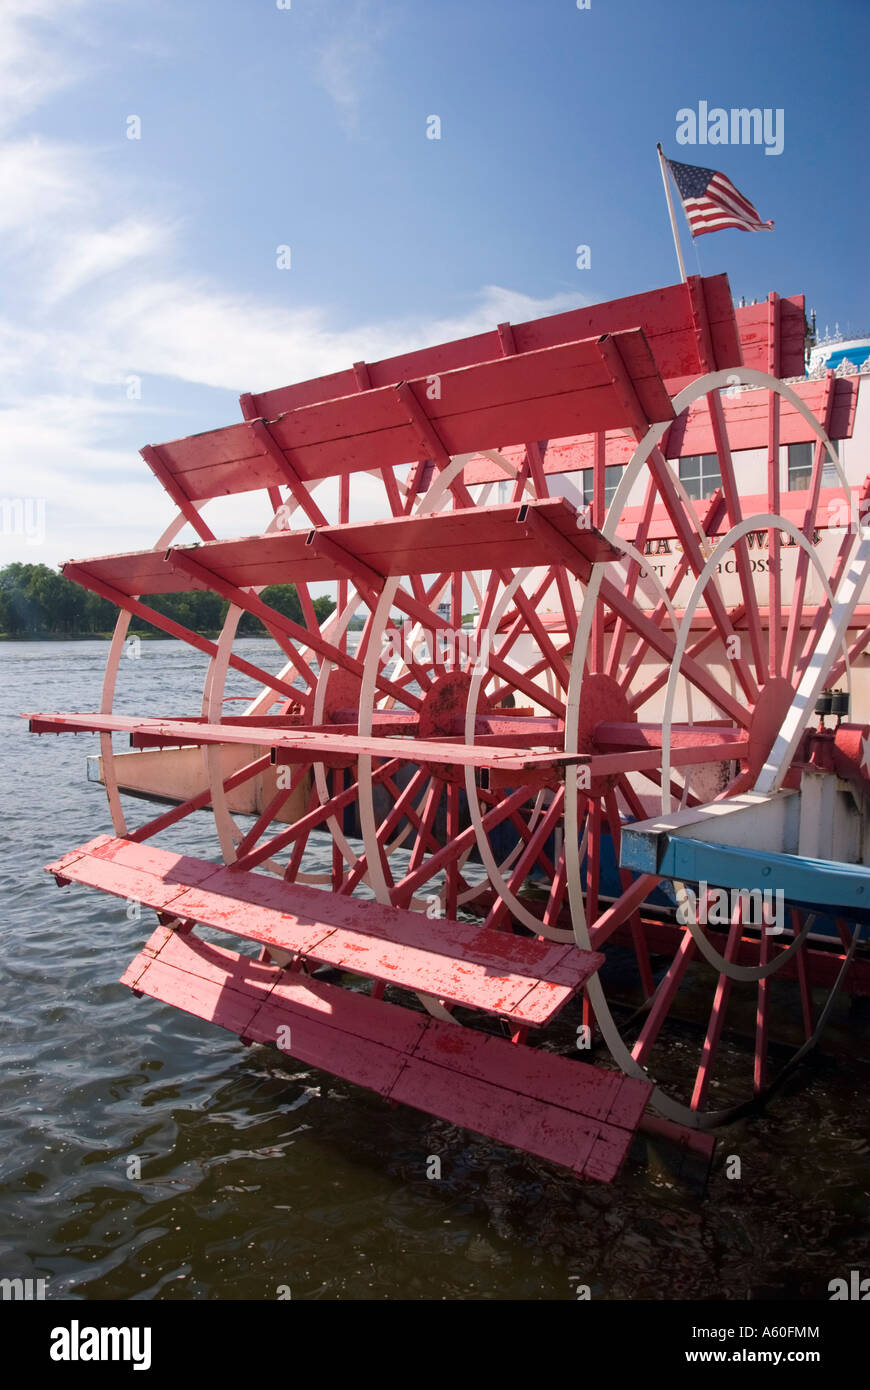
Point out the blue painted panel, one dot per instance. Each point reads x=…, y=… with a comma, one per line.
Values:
x=819, y=884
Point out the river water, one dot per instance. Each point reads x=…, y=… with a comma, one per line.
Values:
x=259, y=1174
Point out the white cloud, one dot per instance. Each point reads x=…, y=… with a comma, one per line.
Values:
x=191, y=331
x=54, y=451
x=96, y=253
x=43, y=182
x=494, y=304
x=347, y=61
x=97, y=300
x=33, y=67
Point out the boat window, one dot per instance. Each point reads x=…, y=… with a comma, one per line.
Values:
x=699, y=474
x=612, y=475
x=830, y=477
x=800, y=466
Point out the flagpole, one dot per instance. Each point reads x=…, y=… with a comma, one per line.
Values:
x=662, y=164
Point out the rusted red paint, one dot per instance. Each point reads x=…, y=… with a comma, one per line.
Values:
x=564, y=1111
x=520, y=978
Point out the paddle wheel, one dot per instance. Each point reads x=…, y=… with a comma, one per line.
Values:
x=457, y=788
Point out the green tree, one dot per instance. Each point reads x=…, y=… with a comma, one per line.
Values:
x=36, y=601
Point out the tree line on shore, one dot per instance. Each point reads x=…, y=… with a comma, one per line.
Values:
x=36, y=601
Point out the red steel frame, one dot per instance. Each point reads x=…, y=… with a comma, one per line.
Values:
x=591, y=384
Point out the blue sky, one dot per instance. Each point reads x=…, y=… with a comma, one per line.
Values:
x=306, y=127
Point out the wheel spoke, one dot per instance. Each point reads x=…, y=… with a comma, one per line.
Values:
x=638, y=938
x=282, y=795
x=198, y=802
x=665, y=645
x=762, y=1017
x=717, y=1015
x=529, y=857
x=405, y=887
x=687, y=537
x=735, y=516
x=663, y=998
x=315, y=817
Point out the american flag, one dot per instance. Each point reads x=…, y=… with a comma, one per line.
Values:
x=711, y=201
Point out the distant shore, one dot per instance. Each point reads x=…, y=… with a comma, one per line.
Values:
x=36, y=601
x=212, y=634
